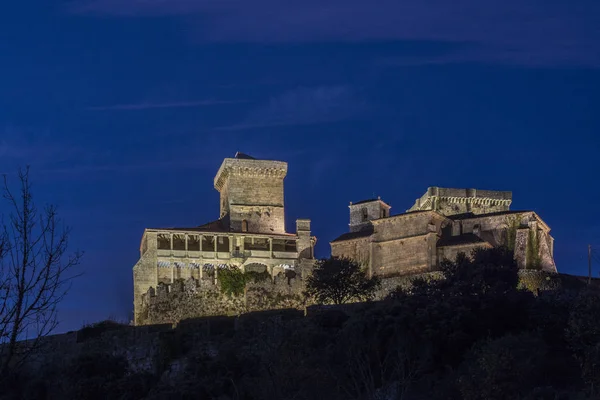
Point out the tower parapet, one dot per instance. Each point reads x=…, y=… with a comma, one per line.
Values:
x=450, y=201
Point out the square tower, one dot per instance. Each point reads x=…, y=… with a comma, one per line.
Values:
x=363, y=212
x=252, y=194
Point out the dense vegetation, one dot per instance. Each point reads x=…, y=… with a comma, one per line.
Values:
x=474, y=335
x=339, y=281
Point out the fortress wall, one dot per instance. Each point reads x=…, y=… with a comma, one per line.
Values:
x=257, y=190
x=450, y=252
x=450, y=201
x=402, y=256
x=373, y=211
x=182, y=300
x=144, y=271
x=404, y=282
x=451, y=207
x=495, y=222
x=405, y=225
x=356, y=249
x=260, y=219
x=473, y=193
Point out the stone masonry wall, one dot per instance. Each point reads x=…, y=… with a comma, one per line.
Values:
x=192, y=299
x=402, y=256
x=373, y=210
x=357, y=250
x=407, y=225
x=253, y=190
x=144, y=271
x=405, y=244
x=260, y=219
x=450, y=252
x=450, y=207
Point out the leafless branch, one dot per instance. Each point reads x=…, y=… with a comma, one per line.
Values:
x=35, y=274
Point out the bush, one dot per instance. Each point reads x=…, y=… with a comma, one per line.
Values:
x=98, y=328
x=232, y=281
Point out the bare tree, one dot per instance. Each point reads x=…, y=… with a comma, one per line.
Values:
x=35, y=274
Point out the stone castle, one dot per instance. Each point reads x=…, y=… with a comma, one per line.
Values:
x=250, y=235
x=441, y=224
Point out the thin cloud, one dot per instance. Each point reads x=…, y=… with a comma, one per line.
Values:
x=304, y=106
x=150, y=106
x=125, y=168
x=24, y=146
x=527, y=32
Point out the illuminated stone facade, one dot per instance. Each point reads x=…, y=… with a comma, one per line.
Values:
x=441, y=224
x=250, y=234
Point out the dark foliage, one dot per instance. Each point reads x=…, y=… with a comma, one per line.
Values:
x=94, y=330
x=474, y=335
x=340, y=280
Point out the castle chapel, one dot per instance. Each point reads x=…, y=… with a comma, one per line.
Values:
x=441, y=224
x=250, y=232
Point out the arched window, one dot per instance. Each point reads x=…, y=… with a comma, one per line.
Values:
x=365, y=214
x=244, y=226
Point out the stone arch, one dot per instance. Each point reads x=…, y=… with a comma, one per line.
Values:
x=256, y=267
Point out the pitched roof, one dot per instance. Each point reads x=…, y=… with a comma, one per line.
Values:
x=365, y=201
x=242, y=156
x=214, y=226
x=354, y=235
x=471, y=215
x=467, y=238
x=218, y=226
x=369, y=201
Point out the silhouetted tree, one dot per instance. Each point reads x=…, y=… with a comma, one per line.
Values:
x=34, y=273
x=340, y=280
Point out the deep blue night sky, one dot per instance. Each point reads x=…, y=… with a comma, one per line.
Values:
x=125, y=109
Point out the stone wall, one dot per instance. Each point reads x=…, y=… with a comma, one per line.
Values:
x=356, y=249
x=372, y=210
x=141, y=346
x=406, y=225
x=450, y=201
x=145, y=271
x=406, y=243
x=259, y=219
x=451, y=252
x=252, y=191
x=402, y=256
x=405, y=282
x=172, y=303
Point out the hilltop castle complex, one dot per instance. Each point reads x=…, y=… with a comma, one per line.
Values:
x=250, y=235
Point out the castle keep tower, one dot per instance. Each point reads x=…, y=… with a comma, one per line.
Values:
x=252, y=194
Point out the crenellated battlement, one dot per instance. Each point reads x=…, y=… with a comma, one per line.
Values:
x=249, y=168
x=451, y=201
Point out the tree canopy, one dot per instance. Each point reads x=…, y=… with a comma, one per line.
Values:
x=340, y=280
